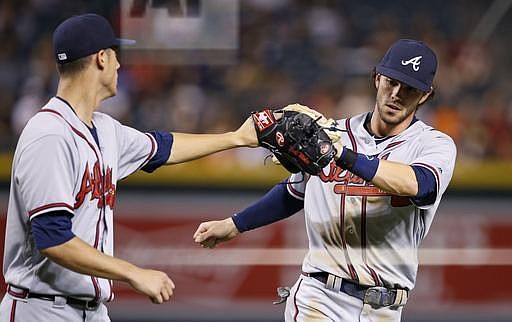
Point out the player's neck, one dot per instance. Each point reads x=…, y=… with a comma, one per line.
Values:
x=83, y=100
x=382, y=129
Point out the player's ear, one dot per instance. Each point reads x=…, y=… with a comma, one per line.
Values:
x=425, y=96
x=376, y=81
x=101, y=59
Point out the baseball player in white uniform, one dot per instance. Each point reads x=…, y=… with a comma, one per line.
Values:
x=368, y=211
x=58, y=260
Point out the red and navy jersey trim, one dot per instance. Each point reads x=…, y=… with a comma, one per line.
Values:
x=22, y=294
x=76, y=131
x=353, y=273
x=97, y=289
x=13, y=310
x=38, y=210
x=153, y=148
x=294, y=192
x=351, y=135
x=393, y=144
x=295, y=301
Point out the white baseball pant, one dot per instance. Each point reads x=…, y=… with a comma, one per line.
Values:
x=311, y=301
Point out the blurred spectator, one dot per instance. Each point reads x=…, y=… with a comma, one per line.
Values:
x=185, y=106
x=497, y=125
x=31, y=100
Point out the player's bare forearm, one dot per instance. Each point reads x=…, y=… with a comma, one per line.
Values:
x=80, y=257
x=396, y=178
x=187, y=147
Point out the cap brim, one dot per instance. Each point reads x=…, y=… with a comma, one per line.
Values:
x=125, y=42
x=399, y=76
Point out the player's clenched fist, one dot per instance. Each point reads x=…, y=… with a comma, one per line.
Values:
x=155, y=284
x=211, y=233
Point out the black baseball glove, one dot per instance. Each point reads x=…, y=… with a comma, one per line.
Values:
x=296, y=139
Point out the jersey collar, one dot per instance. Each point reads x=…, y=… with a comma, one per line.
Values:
x=378, y=139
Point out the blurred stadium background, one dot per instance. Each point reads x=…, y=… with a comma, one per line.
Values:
x=272, y=53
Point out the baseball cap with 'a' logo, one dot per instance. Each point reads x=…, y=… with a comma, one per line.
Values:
x=411, y=62
x=84, y=35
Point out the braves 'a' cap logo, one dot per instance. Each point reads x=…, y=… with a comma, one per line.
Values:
x=416, y=61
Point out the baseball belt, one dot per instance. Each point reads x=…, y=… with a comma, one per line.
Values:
x=375, y=296
x=22, y=293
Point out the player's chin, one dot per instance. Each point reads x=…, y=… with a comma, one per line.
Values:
x=113, y=91
x=392, y=118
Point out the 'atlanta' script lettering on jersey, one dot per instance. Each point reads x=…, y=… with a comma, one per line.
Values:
x=100, y=187
x=352, y=185
x=340, y=175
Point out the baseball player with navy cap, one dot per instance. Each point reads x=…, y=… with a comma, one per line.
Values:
x=406, y=70
x=367, y=212
x=58, y=259
x=95, y=33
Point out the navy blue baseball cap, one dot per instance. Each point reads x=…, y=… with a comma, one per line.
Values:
x=84, y=35
x=411, y=62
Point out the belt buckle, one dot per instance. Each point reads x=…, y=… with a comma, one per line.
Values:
x=376, y=296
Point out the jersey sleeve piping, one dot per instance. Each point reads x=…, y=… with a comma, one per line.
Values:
x=351, y=135
x=295, y=193
x=153, y=149
x=75, y=130
x=50, y=207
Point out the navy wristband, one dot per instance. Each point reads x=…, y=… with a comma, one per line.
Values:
x=347, y=159
x=359, y=164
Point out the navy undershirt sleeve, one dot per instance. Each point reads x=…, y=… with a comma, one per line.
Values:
x=275, y=205
x=164, y=142
x=427, y=186
x=52, y=229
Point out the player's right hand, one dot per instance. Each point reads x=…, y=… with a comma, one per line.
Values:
x=155, y=284
x=211, y=233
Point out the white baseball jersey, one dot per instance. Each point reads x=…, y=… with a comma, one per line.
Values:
x=59, y=166
x=359, y=232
